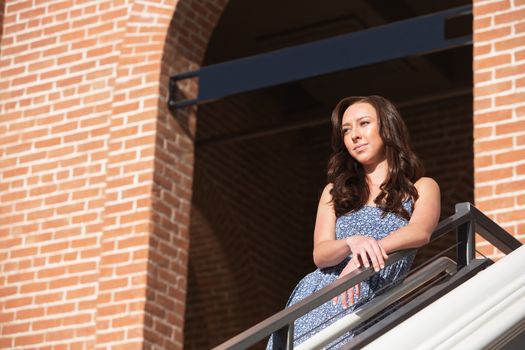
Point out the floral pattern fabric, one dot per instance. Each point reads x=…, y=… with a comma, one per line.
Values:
x=367, y=221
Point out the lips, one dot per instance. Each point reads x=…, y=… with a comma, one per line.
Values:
x=360, y=147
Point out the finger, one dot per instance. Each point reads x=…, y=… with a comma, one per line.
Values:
x=357, y=291
x=383, y=251
x=371, y=258
x=364, y=257
x=344, y=299
x=378, y=256
x=355, y=261
x=351, y=296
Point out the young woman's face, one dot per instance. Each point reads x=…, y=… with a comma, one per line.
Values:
x=360, y=126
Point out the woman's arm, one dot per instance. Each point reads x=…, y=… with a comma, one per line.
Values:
x=424, y=219
x=414, y=235
x=417, y=233
x=328, y=251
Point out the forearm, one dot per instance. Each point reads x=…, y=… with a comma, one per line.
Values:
x=405, y=238
x=330, y=252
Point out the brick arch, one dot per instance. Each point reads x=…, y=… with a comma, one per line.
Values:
x=185, y=45
x=146, y=211
x=96, y=174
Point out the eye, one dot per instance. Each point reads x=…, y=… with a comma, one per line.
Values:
x=345, y=130
x=365, y=122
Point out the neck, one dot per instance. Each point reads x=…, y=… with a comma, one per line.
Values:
x=376, y=173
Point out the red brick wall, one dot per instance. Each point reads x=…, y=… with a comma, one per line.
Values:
x=499, y=114
x=95, y=173
x=57, y=80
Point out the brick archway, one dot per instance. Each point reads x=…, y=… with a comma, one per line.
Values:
x=96, y=173
x=162, y=237
x=187, y=39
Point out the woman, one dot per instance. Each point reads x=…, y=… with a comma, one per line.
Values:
x=376, y=202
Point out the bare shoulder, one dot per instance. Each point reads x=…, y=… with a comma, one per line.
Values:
x=328, y=188
x=326, y=196
x=427, y=184
x=427, y=207
x=428, y=193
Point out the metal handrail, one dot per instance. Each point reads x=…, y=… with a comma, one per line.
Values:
x=427, y=297
x=471, y=316
x=283, y=320
x=379, y=303
x=466, y=221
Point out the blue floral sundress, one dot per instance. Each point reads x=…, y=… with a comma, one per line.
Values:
x=367, y=221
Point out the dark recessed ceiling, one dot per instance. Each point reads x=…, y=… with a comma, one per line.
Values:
x=252, y=27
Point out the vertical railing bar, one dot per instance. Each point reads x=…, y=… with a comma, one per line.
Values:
x=465, y=236
x=471, y=241
x=289, y=336
x=283, y=338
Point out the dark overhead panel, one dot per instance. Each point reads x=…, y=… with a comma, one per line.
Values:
x=410, y=37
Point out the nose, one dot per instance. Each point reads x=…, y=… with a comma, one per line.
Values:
x=355, y=135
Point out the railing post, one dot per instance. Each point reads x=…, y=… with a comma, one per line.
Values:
x=289, y=337
x=466, y=237
x=283, y=338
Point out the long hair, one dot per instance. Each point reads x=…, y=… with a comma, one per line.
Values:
x=350, y=190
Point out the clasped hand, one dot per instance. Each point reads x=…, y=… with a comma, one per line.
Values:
x=365, y=250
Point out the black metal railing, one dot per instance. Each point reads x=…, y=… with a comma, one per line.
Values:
x=466, y=221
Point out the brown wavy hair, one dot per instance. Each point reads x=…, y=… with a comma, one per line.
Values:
x=350, y=190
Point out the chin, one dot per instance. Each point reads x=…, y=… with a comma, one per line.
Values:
x=363, y=160
x=366, y=161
